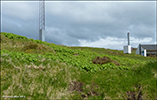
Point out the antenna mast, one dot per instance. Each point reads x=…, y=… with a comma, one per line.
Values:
x=42, y=20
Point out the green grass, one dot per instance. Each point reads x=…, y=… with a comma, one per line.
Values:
x=41, y=70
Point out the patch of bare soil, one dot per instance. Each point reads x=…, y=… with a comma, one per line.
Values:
x=78, y=86
x=135, y=95
x=104, y=60
x=92, y=91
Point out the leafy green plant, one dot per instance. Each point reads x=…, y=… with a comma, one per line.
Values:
x=13, y=36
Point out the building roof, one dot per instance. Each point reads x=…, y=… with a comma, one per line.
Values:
x=149, y=46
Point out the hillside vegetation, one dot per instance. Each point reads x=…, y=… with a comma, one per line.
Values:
x=34, y=69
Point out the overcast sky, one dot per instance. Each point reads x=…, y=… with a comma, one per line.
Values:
x=96, y=24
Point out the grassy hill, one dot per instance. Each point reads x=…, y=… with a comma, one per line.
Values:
x=34, y=69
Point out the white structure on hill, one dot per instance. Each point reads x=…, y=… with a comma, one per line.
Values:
x=147, y=50
x=127, y=49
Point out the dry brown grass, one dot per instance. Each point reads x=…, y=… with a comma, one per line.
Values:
x=36, y=48
x=30, y=74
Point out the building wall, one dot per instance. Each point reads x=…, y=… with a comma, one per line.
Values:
x=142, y=51
x=127, y=49
x=137, y=51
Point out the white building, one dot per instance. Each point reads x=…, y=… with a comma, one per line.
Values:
x=147, y=50
x=127, y=48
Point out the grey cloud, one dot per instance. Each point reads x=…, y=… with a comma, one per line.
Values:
x=21, y=27
x=21, y=10
x=117, y=16
x=69, y=22
x=20, y=18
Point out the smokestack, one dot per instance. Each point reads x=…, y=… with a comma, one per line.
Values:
x=128, y=39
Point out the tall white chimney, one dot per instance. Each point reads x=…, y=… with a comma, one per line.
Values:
x=128, y=39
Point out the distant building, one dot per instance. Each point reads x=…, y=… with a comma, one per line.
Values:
x=147, y=50
x=127, y=48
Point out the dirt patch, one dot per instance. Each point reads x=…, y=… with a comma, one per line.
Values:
x=135, y=95
x=92, y=91
x=104, y=60
x=86, y=92
x=76, y=86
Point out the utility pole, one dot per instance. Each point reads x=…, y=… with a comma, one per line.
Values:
x=42, y=20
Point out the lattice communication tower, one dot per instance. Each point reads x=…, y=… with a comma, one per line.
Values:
x=42, y=20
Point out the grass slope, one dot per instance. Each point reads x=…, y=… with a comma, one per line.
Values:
x=41, y=70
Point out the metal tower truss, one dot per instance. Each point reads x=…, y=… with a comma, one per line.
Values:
x=42, y=14
x=42, y=20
